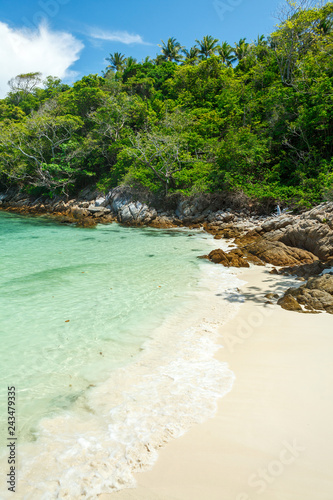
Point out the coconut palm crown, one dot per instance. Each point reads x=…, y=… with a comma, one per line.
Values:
x=171, y=50
x=207, y=46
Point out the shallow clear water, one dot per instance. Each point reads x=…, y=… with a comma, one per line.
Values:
x=109, y=336
x=75, y=304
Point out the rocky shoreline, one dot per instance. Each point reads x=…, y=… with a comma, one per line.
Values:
x=298, y=245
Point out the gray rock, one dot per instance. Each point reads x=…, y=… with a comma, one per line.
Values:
x=101, y=202
x=277, y=223
x=192, y=207
x=102, y=210
x=117, y=198
x=311, y=235
x=136, y=213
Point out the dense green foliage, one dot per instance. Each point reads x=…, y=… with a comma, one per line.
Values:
x=256, y=118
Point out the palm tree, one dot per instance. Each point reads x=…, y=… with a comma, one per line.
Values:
x=242, y=49
x=159, y=59
x=325, y=26
x=171, y=50
x=191, y=56
x=227, y=54
x=260, y=41
x=117, y=61
x=147, y=60
x=130, y=62
x=261, y=48
x=207, y=46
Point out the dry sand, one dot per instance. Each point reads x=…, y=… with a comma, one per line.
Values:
x=272, y=437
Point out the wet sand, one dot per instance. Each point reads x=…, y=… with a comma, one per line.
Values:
x=272, y=437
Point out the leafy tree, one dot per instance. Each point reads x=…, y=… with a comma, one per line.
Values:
x=25, y=84
x=39, y=151
x=162, y=150
x=83, y=98
x=301, y=31
x=256, y=118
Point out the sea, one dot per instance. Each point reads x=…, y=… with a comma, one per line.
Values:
x=108, y=337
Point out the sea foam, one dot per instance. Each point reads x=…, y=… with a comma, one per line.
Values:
x=117, y=427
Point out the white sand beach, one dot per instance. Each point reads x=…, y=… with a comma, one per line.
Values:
x=272, y=437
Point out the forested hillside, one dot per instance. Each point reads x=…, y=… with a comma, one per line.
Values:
x=255, y=118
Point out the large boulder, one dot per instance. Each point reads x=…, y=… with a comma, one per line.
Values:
x=279, y=254
x=192, y=207
x=234, y=258
x=277, y=223
x=79, y=213
x=324, y=282
x=312, y=236
x=117, y=198
x=289, y=303
x=122, y=202
x=313, y=232
x=315, y=295
x=306, y=270
x=136, y=213
x=162, y=222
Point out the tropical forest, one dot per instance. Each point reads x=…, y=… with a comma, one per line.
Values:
x=254, y=118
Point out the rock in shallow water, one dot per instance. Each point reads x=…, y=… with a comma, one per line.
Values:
x=232, y=259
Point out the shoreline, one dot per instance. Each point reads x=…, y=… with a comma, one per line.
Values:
x=272, y=436
x=134, y=208
x=193, y=333
x=267, y=422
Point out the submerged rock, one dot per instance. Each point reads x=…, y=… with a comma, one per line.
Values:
x=162, y=222
x=87, y=222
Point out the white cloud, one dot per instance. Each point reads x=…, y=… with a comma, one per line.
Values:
x=117, y=36
x=26, y=51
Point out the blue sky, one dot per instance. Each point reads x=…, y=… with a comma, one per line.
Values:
x=71, y=38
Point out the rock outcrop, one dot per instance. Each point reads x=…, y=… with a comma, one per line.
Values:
x=289, y=303
x=306, y=270
x=315, y=295
x=234, y=258
x=136, y=213
x=279, y=254
x=313, y=231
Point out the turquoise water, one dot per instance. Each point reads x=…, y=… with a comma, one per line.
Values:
x=76, y=304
